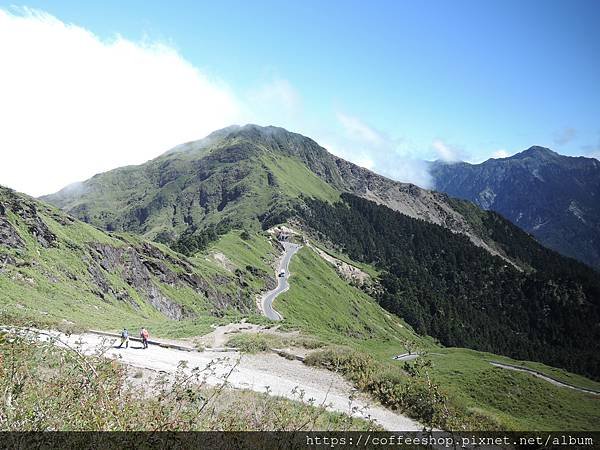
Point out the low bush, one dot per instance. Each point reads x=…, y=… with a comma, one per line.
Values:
x=409, y=390
x=253, y=342
x=356, y=366
x=262, y=342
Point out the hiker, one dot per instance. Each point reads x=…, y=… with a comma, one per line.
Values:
x=144, y=335
x=124, y=338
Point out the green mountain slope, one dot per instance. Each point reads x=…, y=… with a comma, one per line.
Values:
x=236, y=179
x=448, y=288
x=56, y=268
x=528, y=304
x=56, y=271
x=320, y=303
x=448, y=269
x=246, y=176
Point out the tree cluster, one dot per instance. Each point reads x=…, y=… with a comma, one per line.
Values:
x=446, y=287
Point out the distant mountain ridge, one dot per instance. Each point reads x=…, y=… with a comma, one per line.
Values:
x=555, y=198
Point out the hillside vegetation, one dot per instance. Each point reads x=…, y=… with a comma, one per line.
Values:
x=460, y=294
x=47, y=388
x=443, y=274
x=329, y=312
x=467, y=391
x=241, y=177
x=56, y=268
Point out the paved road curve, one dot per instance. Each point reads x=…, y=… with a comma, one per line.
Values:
x=543, y=377
x=282, y=282
x=406, y=357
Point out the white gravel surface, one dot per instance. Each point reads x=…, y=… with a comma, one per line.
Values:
x=258, y=373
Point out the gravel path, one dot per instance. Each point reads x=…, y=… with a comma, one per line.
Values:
x=258, y=372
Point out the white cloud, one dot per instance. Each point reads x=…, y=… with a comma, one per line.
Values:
x=357, y=129
x=72, y=104
x=368, y=147
x=500, y=154
x=274, y=102
x=444, y=151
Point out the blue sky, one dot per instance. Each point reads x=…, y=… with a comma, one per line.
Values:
x=418, y=80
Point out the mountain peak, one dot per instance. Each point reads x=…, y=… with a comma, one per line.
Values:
x=248, y=129
x=537, y=152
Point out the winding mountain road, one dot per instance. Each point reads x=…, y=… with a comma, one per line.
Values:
x=540, y=375
x=282, y=282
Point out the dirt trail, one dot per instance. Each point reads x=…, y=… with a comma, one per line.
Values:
x=258, y=373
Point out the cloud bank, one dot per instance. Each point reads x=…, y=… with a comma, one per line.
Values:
x=500, y=154
x=373, y=149
x=73, y=104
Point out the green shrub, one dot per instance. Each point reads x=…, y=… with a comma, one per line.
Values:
x=306, y=342
x=356, y=366
x=408, y=389
x=390, y=387
x=253, y=342
x=262, y=342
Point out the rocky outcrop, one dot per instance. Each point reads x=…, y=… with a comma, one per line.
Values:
x=8, y=235
x=27, y=211
x=154, y=260
x=127, y=262
x=105, y=289
x=145, y=267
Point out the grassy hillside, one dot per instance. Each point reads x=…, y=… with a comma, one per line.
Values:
x=320, y=303
x=445, y=287
x=56, y=269
x=515, y=400
x=61, y=272
x=234, y=180
x=241, y=177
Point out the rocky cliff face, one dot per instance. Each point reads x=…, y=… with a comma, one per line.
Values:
x=45, y=252
x=555, y=198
